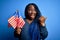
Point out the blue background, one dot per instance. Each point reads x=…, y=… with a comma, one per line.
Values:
x=48, y=8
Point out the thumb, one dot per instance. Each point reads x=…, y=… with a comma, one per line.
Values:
x=45, y=18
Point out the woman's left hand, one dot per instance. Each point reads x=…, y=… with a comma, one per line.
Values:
x=42, y=20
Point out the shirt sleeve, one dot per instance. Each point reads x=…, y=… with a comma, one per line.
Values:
x=43, y=32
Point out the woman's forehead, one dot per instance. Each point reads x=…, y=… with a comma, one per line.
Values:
x=31, y=7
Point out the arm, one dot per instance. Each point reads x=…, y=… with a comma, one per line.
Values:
x=43, y=32
x=43, y=29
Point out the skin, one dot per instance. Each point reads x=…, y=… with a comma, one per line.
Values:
x=32, y=13
x=42, y=20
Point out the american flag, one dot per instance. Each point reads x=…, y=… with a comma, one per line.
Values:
x=16, y=21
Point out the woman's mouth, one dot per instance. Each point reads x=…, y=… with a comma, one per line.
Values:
x=32, y=16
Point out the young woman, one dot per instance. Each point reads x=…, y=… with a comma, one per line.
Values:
x=35, y=27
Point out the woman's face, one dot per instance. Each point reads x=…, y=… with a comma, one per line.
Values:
x=31, y=12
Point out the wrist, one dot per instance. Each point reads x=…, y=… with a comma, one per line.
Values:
x=43, y=24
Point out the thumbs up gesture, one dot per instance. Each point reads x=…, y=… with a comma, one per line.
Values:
x=42, y=20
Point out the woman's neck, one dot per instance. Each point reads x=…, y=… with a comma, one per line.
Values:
x=29, y=21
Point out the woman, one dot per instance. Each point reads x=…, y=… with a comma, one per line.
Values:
x=34, y=28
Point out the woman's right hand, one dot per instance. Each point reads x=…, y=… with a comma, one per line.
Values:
x=18, y=31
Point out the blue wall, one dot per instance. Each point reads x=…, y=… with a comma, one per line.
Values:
x=48, y=8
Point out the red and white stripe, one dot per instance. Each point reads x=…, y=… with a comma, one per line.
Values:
x=21, y=22
x=13, y=22
x=16, y=22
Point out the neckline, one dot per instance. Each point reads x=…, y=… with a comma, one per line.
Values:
x=28, y=22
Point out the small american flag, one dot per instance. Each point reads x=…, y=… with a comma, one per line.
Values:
x=16, y=21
